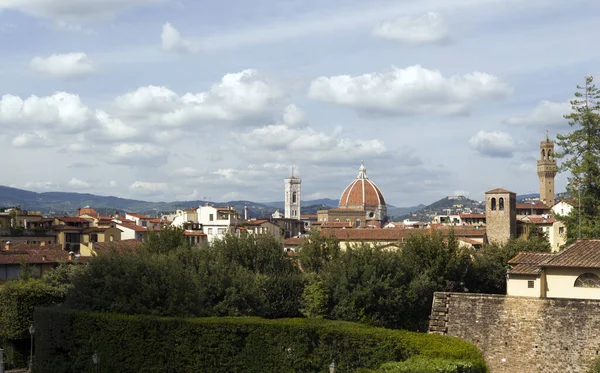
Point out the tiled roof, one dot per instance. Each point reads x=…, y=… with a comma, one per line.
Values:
x=120, y=246
x=139, y=216
x=33, y=254
x=293, y=241
x=538, y=219
x=582, y=254
x=534, y=206
x=256, y=222
x=472, y=216
x=530, y=258
x=499, y=190
x=470, y=241
x=462, y=231
x=368, y=234
x=524, y=269
x=194, y=233
x=66, y=228
x=95, y=230
x=88, y=211
x=71, y=219
x=133, y=227
x=337, y=224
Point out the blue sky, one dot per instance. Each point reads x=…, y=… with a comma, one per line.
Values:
x=165, y=99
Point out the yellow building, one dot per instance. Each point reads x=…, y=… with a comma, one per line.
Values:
x=571, y=273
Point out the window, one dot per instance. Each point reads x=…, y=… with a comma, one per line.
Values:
x=357, y=224
x=294, y=197
x=561, y=230
x=211, y=217
x=588, y=280
x=530, y=284
x=543, y=154
x=493, y=204
x=501, y=204
x=210, y=231
x=549, y=154
x=221, y=231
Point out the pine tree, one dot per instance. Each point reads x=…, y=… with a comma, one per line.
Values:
x=580, y=150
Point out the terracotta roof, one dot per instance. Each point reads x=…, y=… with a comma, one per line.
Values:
x=66, y=228
x=308, y=216
x=524, y=269
x=257, y=222
x=293, y=241
x=472, y=216
x=582, y=254
x=33, y=254
x=95, y=230
x=124, y=221
x=45, y=220
x=194, y=233
x=134, y=227
x=534, y=206
x=470, y=241
x=462, y=231
x=120, y=246
x=337, y=224
x=71, y=219
x=537, y=219
x=139, y=216
x=530, y=258
x=368, y=234
x=499, y=190
x=88, y=211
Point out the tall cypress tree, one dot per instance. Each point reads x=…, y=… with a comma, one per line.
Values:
x=580, y=150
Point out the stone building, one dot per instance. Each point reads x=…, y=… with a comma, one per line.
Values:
x=500, y=215
x=547, y=169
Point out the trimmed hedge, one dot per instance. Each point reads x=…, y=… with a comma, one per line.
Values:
x=66, y=341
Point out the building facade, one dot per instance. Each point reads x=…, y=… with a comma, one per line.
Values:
x=547, y=169
x=500, y=215
x=293, y=189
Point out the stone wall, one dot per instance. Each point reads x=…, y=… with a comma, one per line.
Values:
x=520, y=334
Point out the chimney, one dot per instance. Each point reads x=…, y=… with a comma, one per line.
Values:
x=79, y=211
x=42, y=243
x=245, y=212
x=71, y=254
x=7, y=245
x=43, y=258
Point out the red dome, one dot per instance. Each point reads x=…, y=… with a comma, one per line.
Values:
x=362, y=192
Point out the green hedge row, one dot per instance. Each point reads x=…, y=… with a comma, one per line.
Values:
x=66, y=341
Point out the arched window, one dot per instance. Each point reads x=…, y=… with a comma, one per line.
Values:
x=294, y=197
x=543, y=155
x=587, y=280
x=501, y=204
x=493, y=203
x=549, y=154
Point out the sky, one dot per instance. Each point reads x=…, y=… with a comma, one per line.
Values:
x=168, y=100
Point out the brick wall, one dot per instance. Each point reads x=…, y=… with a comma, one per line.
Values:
x=522, y=335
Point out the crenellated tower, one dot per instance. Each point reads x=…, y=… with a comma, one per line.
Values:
x=547, y=169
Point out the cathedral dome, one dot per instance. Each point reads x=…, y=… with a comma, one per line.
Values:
x=362, y=193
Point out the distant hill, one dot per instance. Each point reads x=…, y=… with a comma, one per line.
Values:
x=453, y=204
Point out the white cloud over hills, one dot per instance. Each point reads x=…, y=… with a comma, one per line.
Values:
x=409, y=91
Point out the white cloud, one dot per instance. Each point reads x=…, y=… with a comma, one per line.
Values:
x=32, y=140
x=494, y=144
x=64, y=66
x=236, y=97
x=425, y=29
x=188, y=172
x=137, y=154
x=408, y=91
x=74, y=9
x=148, y=188
x=173, y=42
x=61, y=112
x=546, y=113
x=79, y=184
x=461, y=192
x=40, y=185
x=293, y=116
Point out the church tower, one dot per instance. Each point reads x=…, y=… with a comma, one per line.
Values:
x=546, y=169
x=292, y=197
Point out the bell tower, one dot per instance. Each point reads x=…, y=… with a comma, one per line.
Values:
x=292, y=197
x=547, y=169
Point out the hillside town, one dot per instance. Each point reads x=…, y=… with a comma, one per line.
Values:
x=361, y=217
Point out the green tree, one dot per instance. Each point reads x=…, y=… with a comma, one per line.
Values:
x=167, y=240
x=580, y=151
x=315, y=298
x=317, y=250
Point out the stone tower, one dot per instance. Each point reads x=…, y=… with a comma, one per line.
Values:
x=546, y=169
x=292, y=197
x=500, y=215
